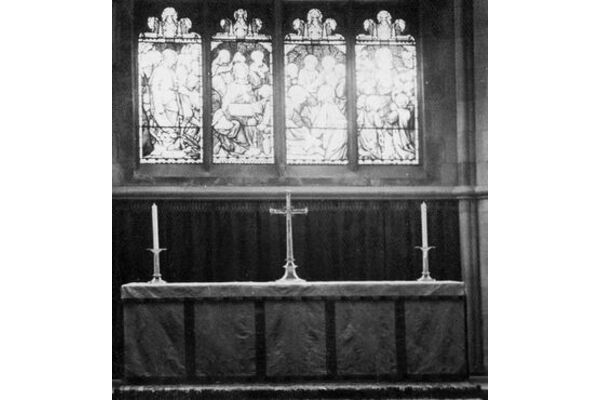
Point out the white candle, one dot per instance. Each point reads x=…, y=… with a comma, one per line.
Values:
x=155, y=226
x=424, y=241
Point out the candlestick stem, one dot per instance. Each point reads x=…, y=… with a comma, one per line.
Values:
x=156, y=276
x=425, y=276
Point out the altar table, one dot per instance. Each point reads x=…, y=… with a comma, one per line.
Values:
x=262, y=331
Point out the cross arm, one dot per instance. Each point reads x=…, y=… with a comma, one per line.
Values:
x=299, y=210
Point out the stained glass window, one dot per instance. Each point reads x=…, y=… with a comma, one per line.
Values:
x=315, y=84
x=170, y=91
x=242, y=92
x=240, y=102
x=386, y=84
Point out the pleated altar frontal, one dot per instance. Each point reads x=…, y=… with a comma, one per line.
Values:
x=273, y=331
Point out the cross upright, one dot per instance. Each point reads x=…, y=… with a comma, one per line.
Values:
x=288, y=211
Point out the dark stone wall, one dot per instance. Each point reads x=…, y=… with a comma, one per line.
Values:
x=480, y=50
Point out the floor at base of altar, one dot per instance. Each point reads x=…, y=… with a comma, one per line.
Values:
x=465, y=390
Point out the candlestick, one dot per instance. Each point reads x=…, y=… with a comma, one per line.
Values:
x=155, y=250
x=155, y=227
x=424, y=240
x=425, y=276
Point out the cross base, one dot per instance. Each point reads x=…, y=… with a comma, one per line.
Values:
x=425, y=278
x=290, y=274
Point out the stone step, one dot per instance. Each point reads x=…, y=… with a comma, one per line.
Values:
x=349, y=391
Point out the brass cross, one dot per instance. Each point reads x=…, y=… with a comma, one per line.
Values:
x=288, y=211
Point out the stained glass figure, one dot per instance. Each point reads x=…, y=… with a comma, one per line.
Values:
x=386, y=81
x=315, y=83
x=242, y=93
x=170, y=91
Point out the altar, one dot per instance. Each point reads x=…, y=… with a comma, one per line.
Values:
x=268, y=331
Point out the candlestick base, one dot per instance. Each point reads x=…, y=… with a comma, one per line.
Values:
x=290, y=274
x=157, y=280
x=156, y=276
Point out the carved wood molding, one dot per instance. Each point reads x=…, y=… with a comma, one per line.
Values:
x=299, y=192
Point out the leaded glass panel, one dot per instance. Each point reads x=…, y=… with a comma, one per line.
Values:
x=170, y=91
x=315, y=84
x=386, y=82
x=242, y=93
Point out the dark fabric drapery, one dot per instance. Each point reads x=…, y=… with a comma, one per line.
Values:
x=211, y=241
